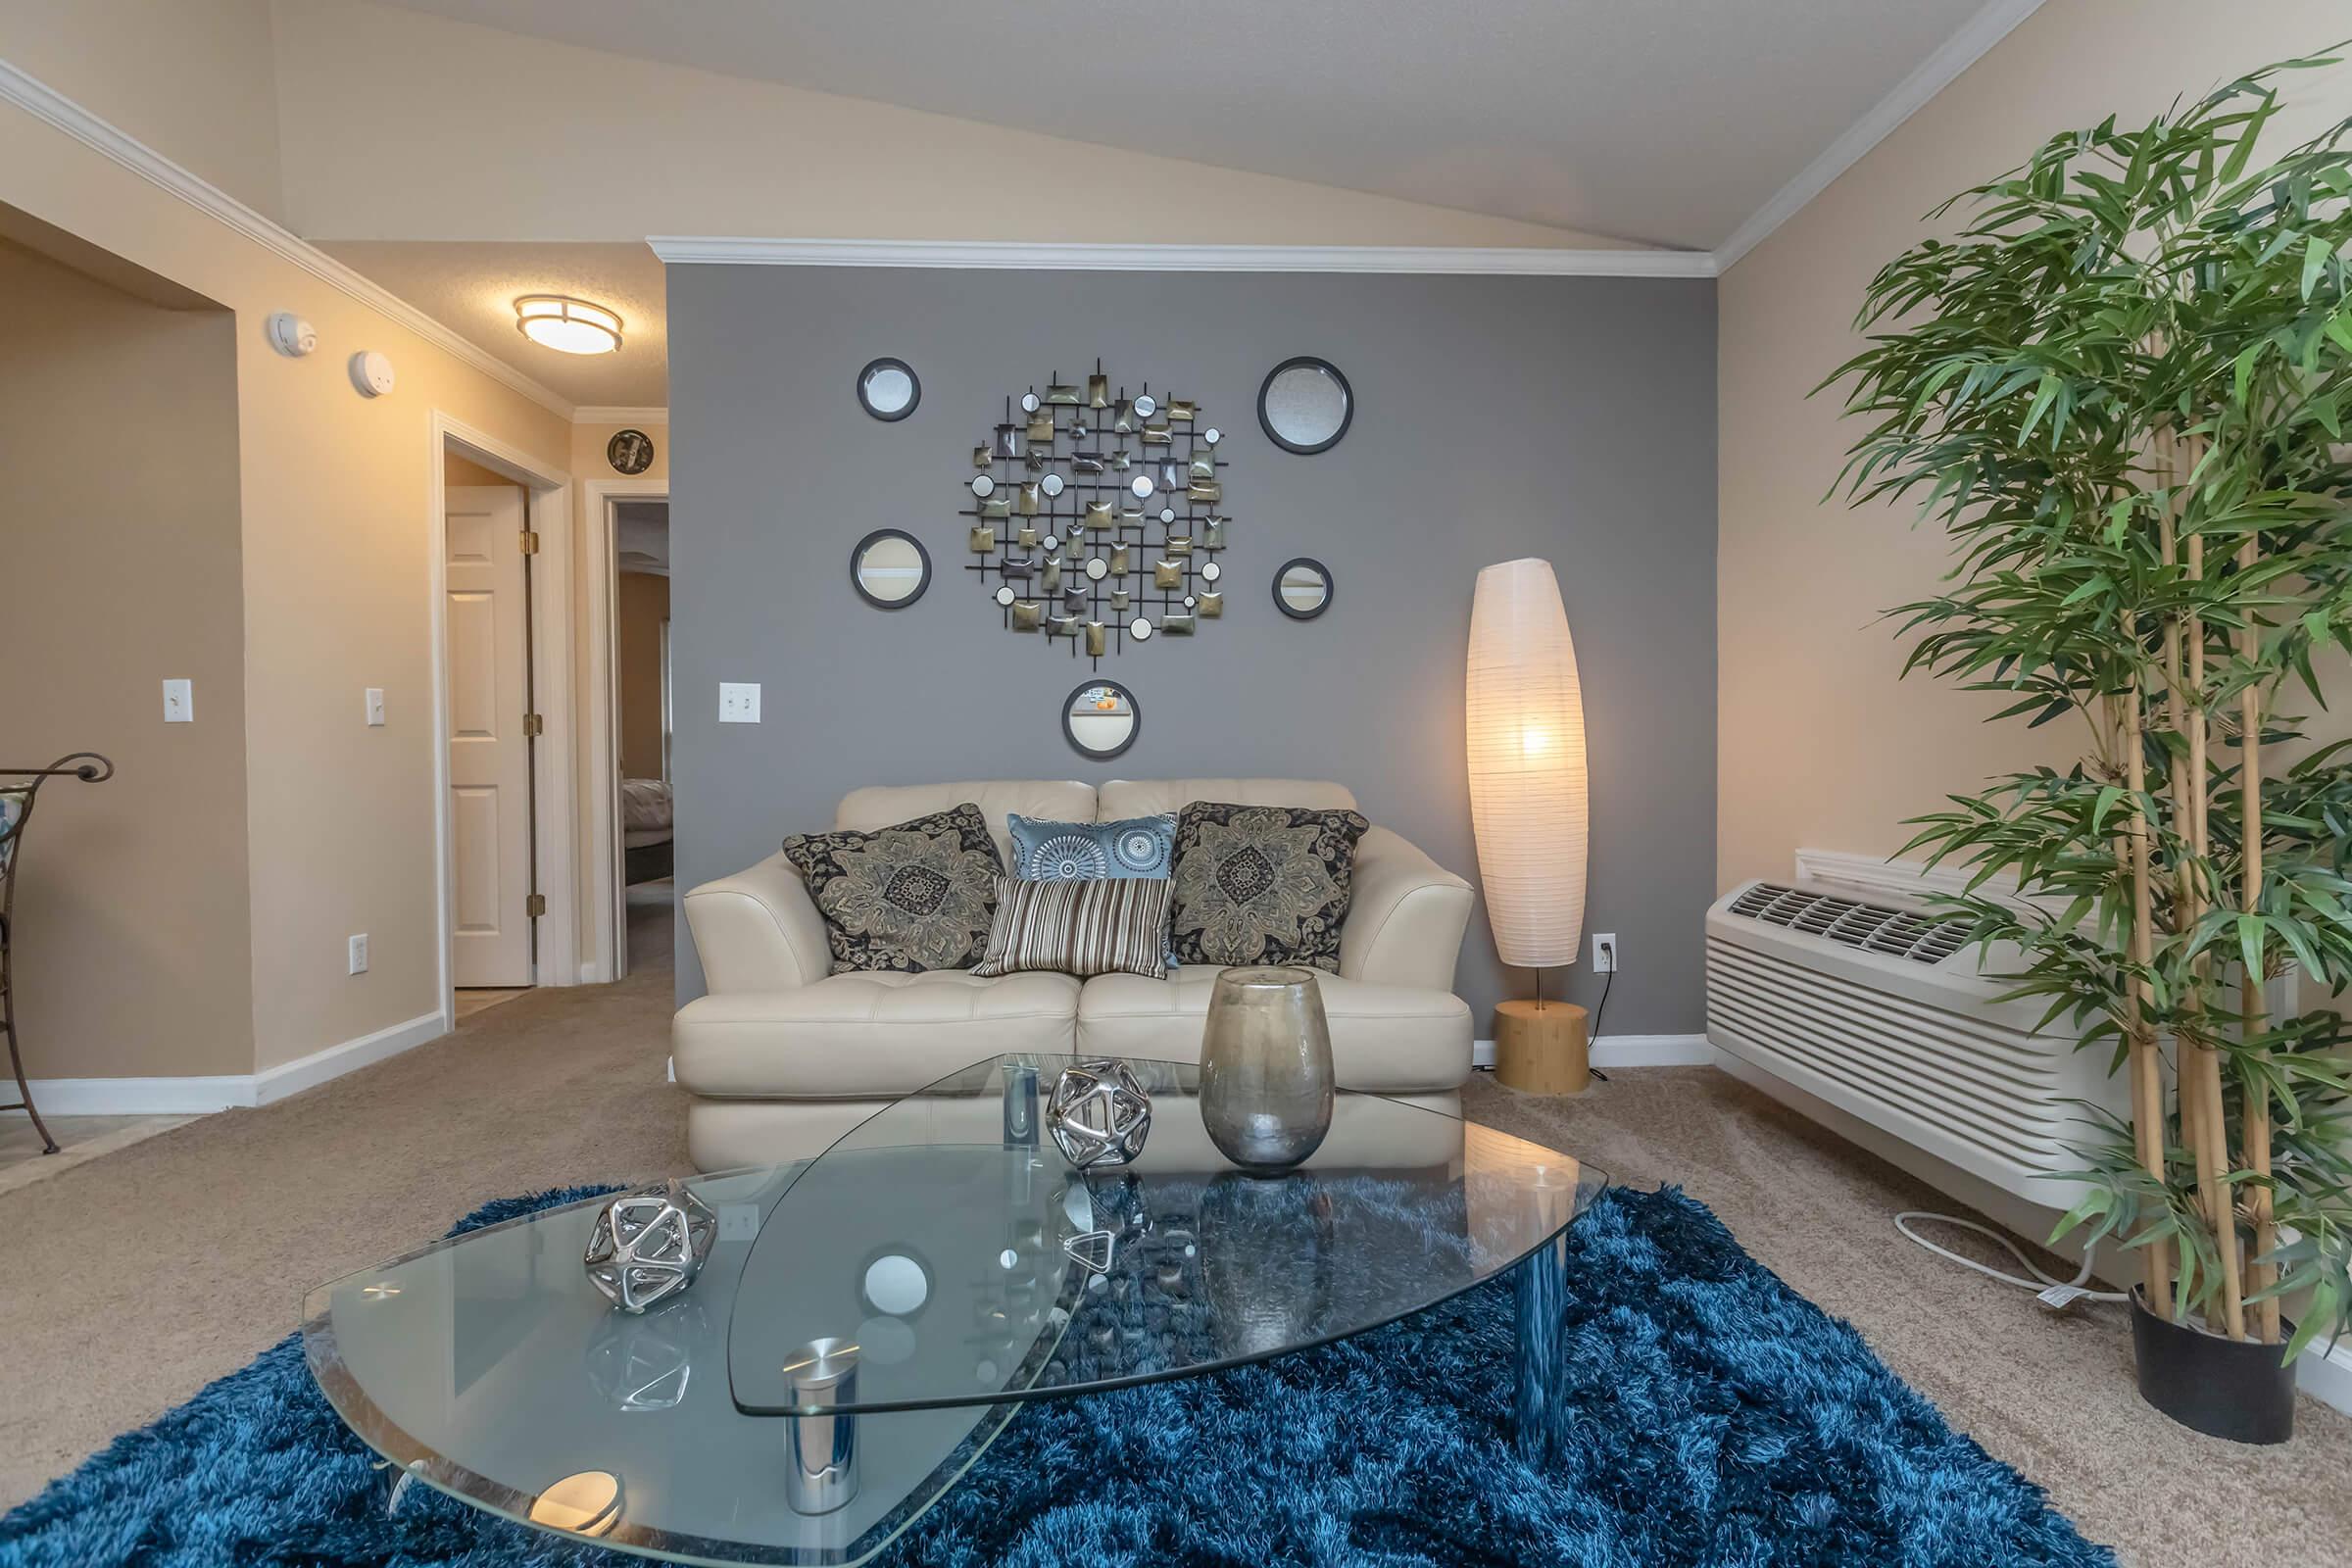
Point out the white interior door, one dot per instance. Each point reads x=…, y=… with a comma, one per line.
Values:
x=489, y=756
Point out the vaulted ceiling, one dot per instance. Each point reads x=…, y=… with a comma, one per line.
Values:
x=1667, y=121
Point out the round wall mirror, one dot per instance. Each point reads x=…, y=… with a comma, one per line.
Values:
x=1101, y=719
x=889, y=568
x=888, y=389
x=897, y=1284
x=1306, y=405
x=1303, y=588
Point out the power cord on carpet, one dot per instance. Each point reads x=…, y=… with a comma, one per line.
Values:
x=2057, y=1294
x=1594, y=1034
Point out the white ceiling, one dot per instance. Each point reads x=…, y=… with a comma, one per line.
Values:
x=1668, y=121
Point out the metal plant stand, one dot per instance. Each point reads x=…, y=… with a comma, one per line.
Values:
x=15, y=810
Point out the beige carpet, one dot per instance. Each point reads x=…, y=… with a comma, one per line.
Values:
x=137, y=1277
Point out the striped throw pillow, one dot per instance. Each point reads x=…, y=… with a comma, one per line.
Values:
x=1080, y=928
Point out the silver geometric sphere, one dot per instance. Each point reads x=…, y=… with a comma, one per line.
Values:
x=648, y=1245
x=1098, y=1113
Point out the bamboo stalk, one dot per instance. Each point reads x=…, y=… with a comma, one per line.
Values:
x=2251, y=1015
x=2212, y=1140
x=2146, y=1067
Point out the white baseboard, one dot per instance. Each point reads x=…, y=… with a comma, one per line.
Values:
x=191, y=1097
x=308, y=1072
x=1626, y=1050
x=142, y=1097
x=2327, y=1375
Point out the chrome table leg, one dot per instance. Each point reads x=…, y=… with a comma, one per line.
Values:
x=822, y=1448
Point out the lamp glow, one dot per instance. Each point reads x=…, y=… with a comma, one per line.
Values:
x=568, y=326
x=1528, y=797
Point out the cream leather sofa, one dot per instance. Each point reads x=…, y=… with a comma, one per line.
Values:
x=782, y=1056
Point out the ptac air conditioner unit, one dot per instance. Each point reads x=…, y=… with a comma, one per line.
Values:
x=1884, y=1013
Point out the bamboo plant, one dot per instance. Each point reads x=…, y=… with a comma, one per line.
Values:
x=2121, y=389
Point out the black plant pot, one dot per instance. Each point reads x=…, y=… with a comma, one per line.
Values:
x=2233, y=1389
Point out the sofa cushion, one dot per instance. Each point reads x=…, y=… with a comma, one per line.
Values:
x=919, y=895
x=1067, y=851
x=853, y=1035
x=1262, y=884
x=1385, y=1038
x=1152, y=797
x=1080, y=927
x=879, y=806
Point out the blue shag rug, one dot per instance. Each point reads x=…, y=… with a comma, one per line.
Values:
x=1718, y=1418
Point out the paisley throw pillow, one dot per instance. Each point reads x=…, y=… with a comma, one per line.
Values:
x=1263, y=884
x=915, y=896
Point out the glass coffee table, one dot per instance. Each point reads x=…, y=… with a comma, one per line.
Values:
x=870, y=1319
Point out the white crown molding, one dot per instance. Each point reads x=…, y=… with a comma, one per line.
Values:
x=1534, y=261
x=45, y=104
x=1962, y=49
x=596, y=414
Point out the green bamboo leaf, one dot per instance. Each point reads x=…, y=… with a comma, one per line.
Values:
x=2315, y=254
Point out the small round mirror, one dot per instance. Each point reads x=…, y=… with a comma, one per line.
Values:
x=888, y=389
x=1306, y=405
x=1303, y=588
x=889, y=568
x=897, y=1284
x=1101, y=719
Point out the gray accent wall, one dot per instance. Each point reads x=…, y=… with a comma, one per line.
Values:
x=1572, y=419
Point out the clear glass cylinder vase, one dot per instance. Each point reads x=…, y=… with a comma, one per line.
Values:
x=1266, y=1077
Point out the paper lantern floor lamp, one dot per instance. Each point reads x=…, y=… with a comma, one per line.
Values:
x=1529, y=811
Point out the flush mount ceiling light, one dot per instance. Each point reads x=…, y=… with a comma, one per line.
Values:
x=568, y=326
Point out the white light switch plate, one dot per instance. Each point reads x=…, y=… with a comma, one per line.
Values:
x=375, y=706
x=179, y=702
x=738, y=701
x=358, y=953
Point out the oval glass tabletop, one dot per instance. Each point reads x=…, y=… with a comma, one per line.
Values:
x=486, y=1367
x=945, y=1254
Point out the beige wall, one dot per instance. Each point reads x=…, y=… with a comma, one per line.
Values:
x=119, y=439
x=592, y=146
x=1819, y=746
x=335, y=581
x=458, y=471
x=195, y=79
x=643, y=609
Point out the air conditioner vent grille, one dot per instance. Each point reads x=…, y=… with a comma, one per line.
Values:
x=1874, y=927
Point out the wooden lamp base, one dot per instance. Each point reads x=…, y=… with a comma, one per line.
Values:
x=1541, y=1048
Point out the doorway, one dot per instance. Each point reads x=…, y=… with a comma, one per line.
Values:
x=641, y=721
x=505, y=781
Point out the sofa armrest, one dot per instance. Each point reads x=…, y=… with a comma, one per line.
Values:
x=1405, y=921
x=758, y=930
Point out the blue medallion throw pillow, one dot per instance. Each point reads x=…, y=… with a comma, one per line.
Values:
x=1093, y=851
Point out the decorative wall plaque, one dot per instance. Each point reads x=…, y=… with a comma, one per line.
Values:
x=1094, y=517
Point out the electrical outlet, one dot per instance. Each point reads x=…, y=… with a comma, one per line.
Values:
x=739, y=1222
x=738, y=701
x=358, y=953
x=179, y=702
x=1604, y=952
x=375, y=706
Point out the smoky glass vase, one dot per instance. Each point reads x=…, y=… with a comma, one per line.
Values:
x=1265, y=1067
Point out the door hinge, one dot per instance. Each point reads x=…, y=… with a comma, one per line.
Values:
x=533, y=725
x=535, y=905
x=530, y=541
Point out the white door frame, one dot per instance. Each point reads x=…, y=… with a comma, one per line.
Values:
x=607, y=888
x=555, y=778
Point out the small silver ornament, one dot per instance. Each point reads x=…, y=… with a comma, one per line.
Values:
x=1098, y=1113
x=648, y=1245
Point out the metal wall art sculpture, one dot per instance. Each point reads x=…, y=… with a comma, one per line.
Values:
x=1098, y=514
